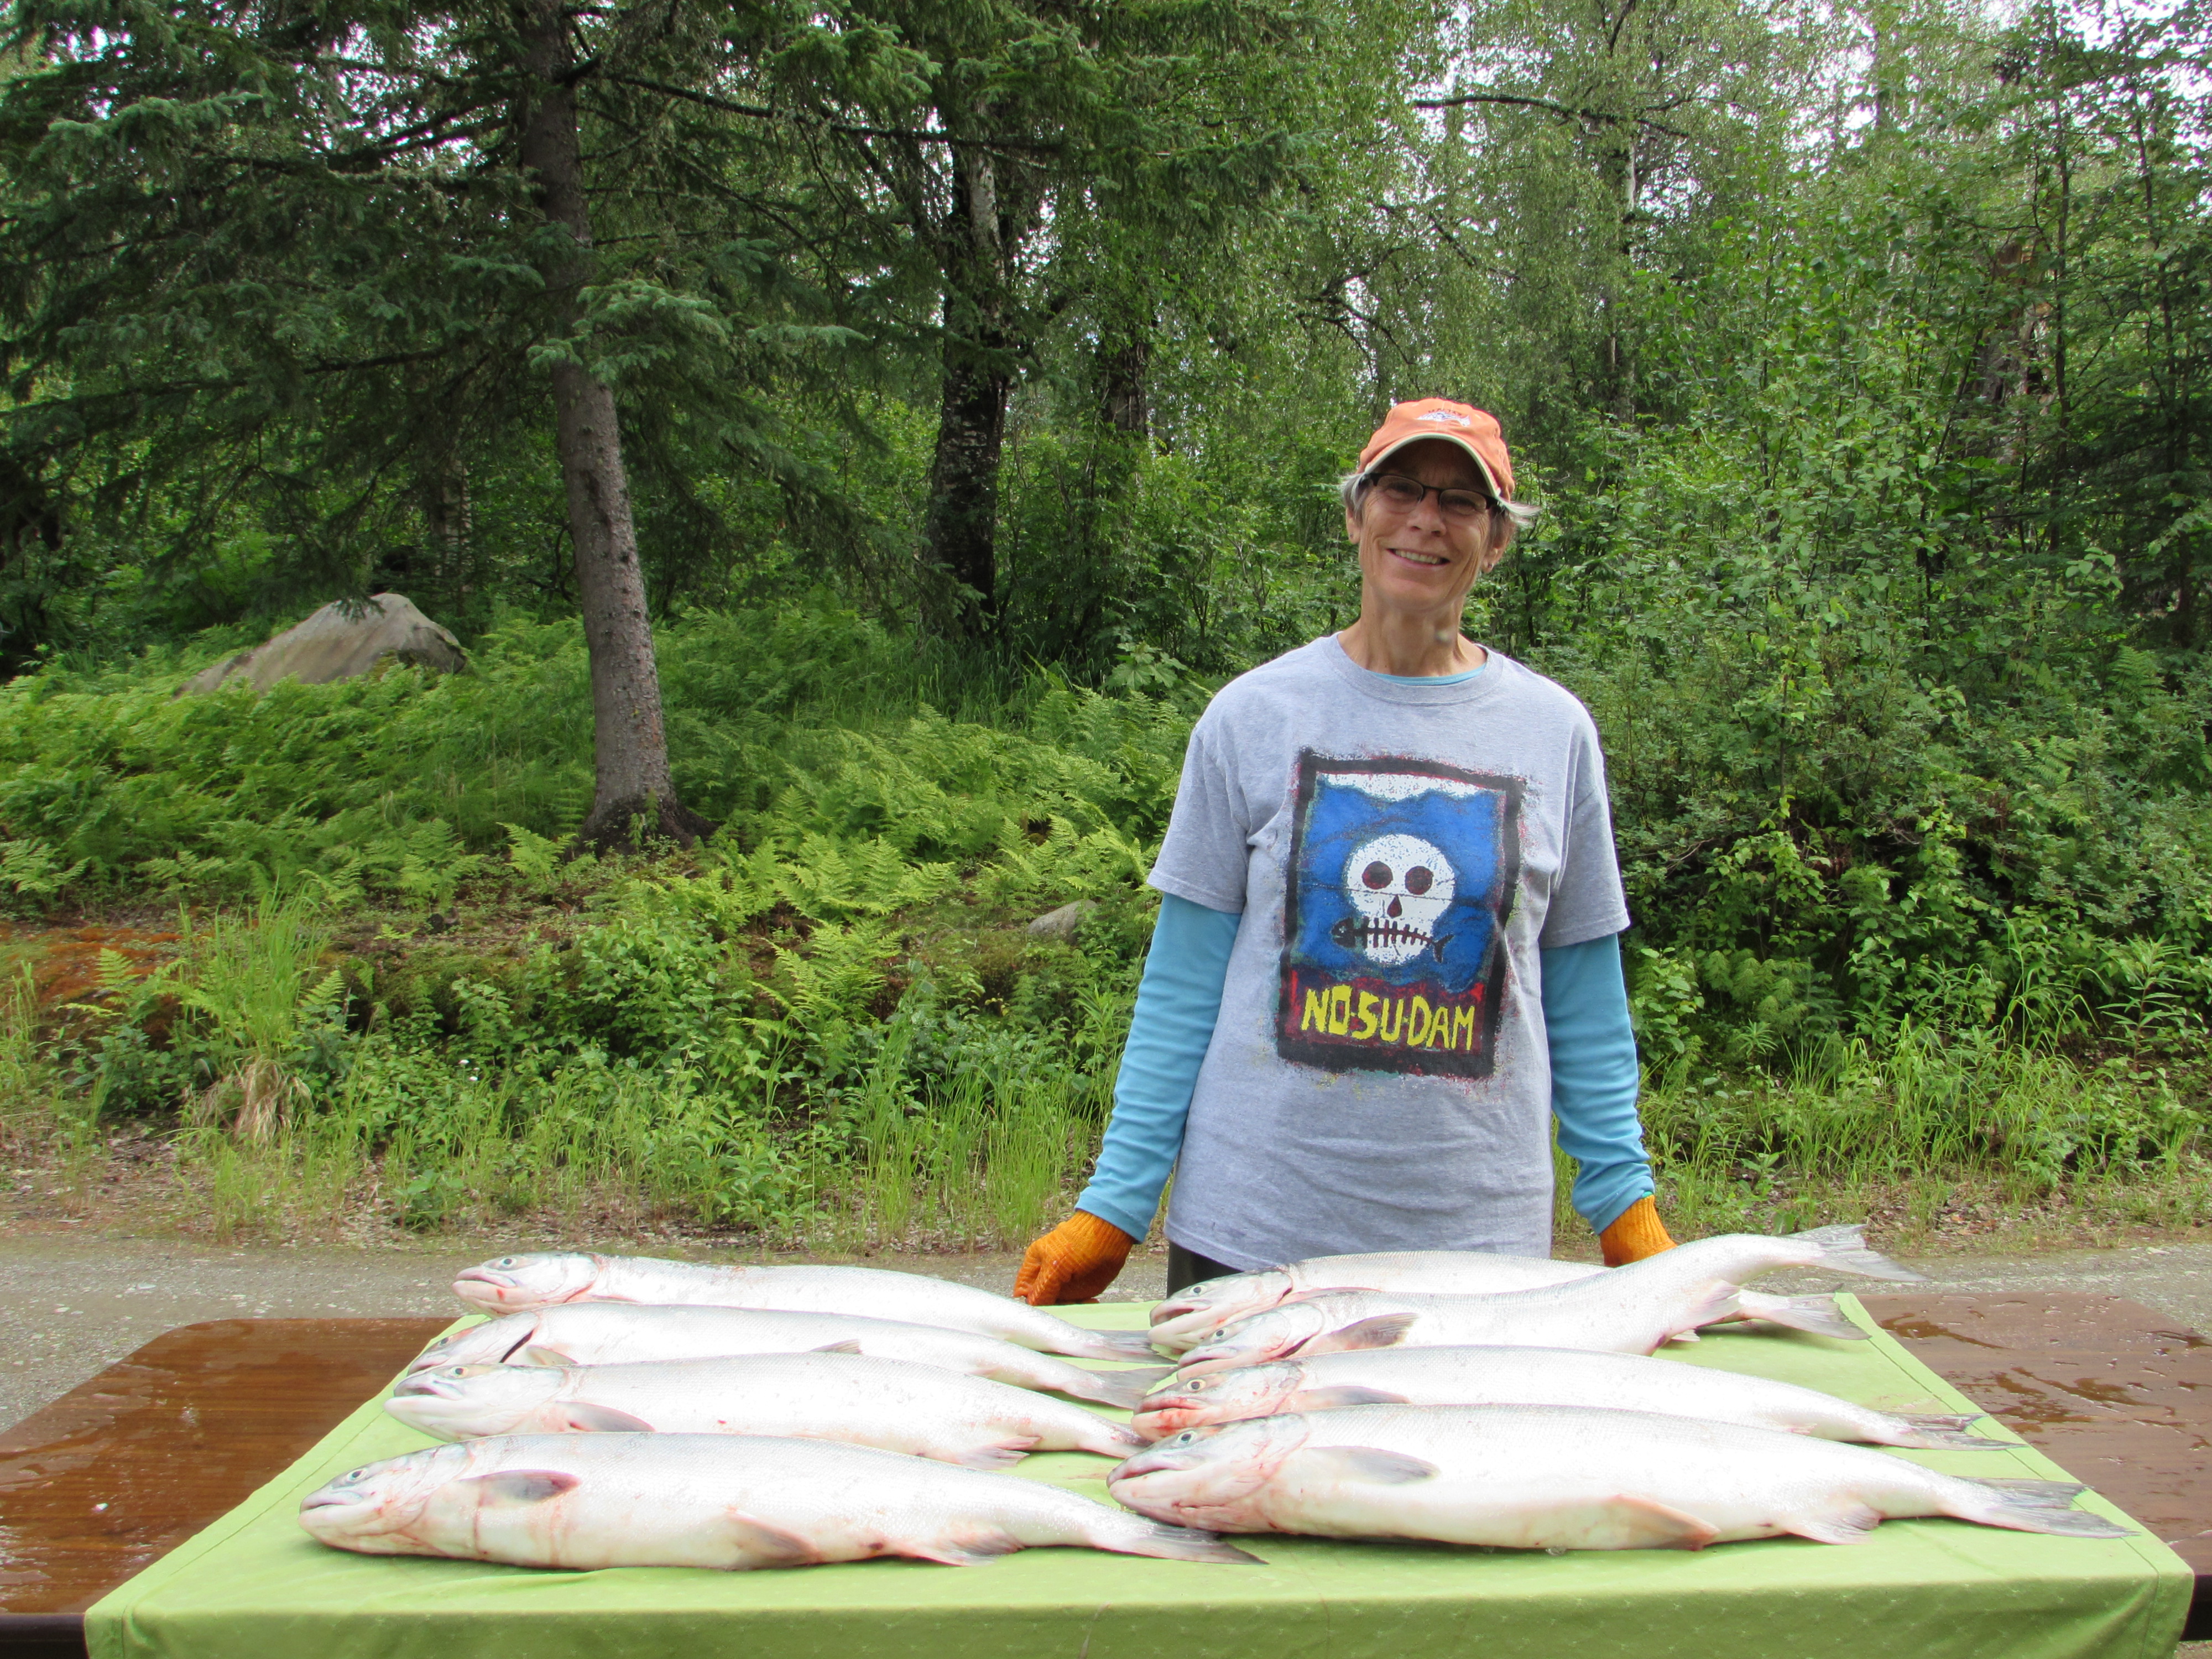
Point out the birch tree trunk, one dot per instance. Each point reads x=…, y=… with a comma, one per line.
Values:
x=632, y=789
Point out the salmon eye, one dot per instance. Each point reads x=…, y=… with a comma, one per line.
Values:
x=1196, y=1385
x=504, y=1262
x=1183, y=1439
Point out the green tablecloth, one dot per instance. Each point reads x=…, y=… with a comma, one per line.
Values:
x=253, y=1584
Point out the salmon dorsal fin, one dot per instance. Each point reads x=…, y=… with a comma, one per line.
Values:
x=1372, y=1464
x=514, y=1486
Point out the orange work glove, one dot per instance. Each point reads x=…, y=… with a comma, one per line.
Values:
x=1073, y=1262
x=1635, y=1232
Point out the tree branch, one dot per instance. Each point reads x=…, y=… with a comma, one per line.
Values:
x=761, y=113
x=1572, y=113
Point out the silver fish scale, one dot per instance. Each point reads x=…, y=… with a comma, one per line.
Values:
x=1545, y=1477
x=583, y=1502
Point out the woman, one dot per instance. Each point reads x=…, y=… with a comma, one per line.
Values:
x=1387, y=953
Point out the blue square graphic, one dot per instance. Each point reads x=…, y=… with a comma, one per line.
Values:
x=1402, y=875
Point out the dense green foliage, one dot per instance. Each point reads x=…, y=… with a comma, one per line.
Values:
x=1861, y=361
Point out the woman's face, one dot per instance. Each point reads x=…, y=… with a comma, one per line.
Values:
x=1415, y=558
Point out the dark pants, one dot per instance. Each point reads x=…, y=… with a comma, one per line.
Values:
x=1187, y=1267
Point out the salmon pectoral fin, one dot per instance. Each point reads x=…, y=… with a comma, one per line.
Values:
x=514, y=1486
x=1371, y=1464
x=537, y=1353
x=1645, y=1523
x=1340, y=1397
x=849, y=1346
x=759, y=1544
x=1383, y=1331
x=971, y=1551
x=1851, y=1525
x=586, y=1418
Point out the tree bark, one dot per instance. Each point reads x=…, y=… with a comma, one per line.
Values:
x=633, y=794
x=1123, y=396
x=960, y=530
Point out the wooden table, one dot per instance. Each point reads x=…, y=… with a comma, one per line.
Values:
x=122, y=1470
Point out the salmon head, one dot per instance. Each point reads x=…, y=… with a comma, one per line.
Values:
x=1189, y=1402
x=1208, y=1477
x=491, y=1343
x=375, y=1508
x=1198, y=1310
x=1277, y=1334
x=510, y=1283
x=466, y=1402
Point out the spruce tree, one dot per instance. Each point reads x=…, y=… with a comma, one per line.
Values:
x=288, y=253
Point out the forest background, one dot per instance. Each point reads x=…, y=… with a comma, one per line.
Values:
x=961, y=387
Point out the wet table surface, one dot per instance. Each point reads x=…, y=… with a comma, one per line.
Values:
x=127, y=1465
x=2115, y=1394
x=124, y=1468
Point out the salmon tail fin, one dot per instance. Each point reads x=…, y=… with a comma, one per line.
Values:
x=1121, y=1389
x=2039, y=1506
x=2036, y=1494
x=1173, y=1543
x=1930, y=1431
x=1112, y=1344
x=1817, y=1316
x=1844, y=1249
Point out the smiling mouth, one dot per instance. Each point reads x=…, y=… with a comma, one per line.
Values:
x=1426, y=561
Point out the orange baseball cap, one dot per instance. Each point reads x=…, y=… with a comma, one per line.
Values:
x=1471, y=429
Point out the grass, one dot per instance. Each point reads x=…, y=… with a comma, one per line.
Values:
x=1979, y=1135
x=1988, y=1141
x=930, y=1123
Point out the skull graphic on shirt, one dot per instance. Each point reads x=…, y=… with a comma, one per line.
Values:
x=1400, y=887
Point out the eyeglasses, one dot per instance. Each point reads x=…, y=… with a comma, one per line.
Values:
x=1403, y=494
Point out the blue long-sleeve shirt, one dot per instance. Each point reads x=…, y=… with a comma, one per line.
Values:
x=1593, y=1055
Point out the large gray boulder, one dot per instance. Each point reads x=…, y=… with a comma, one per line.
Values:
x=338, y=643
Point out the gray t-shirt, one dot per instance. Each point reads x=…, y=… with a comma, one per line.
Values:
x=1378, y=1078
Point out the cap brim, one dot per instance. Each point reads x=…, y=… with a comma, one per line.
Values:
x=1489, y=478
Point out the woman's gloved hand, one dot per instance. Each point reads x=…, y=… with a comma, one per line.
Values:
x=1073, y=1262
x=1635, y=1232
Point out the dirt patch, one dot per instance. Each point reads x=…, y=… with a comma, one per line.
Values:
x=71, y=964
